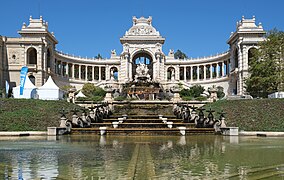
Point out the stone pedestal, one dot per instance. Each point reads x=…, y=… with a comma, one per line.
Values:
x=108, y=97
x=71, y=95
x=62, y=122
x=230, y=131
x=182, y=130
x=54, y=131
x=103, y=130
x=213, y=94
x=176, y=97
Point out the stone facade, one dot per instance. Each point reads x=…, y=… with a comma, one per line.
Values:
x=142, y=44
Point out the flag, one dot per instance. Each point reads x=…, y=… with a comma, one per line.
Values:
x=23, y=75
x=7, y=88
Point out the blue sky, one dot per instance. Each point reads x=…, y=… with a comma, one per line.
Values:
x=88, y=27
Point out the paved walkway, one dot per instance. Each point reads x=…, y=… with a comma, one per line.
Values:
x=23, y=133
x=260, y=133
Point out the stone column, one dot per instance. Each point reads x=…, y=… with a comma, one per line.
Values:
x=184, y=73
x=217, y=70
x=191, y=73
x=73, y=71
x=227, y=68
x=86, y=73
x=107, y=72
x=158, y=67
x=204, y=72
x=197, y=73
x=67, y=69
x=127, y=64
x=100, y=75
x=93, y=73
x=45, y=64
x=79, y=71
x=61, y=69
x=223, y=69
x=211, y=71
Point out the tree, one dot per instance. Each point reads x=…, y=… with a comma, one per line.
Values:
x=266, y=66
x=99, y=56
x=194, y=91
x=90, y=90
x=220, y=92
x=180, y=55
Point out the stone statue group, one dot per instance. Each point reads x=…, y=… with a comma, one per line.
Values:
x=96, y=115
x=189, y=114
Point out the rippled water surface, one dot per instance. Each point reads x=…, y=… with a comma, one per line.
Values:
x=147, y=157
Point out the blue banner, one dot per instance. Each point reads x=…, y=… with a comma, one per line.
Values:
x=7, y=88
x=23, y=75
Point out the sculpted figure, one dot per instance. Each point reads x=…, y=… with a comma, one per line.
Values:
x=142, y=72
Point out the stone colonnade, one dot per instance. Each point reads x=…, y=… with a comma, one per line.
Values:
x=200, y=72
x=81, y=71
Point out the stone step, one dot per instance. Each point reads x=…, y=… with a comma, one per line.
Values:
x=143, y=125
x=148, y=116
x=142, y=120
x=144, y=131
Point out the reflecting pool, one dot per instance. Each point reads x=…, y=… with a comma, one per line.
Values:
x=142, y=157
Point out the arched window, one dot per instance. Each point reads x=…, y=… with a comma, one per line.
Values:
x=48, y=58
x=113, y=73
x=171, y=73
x=32, y=56
x=251, y=54
x=142, y=58
x=236, y=56
x=181, y=73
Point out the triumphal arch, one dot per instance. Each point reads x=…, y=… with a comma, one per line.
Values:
x=142, y=60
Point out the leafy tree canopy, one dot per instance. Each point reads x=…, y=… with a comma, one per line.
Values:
x=194, y=91
x=90, y=90
x=220, y=92
x=99, y=56
x=180, y=55
x=266, y=66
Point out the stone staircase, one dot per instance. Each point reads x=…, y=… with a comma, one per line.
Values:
x=143, y=119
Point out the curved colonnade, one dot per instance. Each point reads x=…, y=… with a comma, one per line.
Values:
x=78, y=70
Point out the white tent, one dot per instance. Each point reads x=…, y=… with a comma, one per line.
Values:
x=29, y=90
x=50, y=91
x=80, y=94
x=276, y=95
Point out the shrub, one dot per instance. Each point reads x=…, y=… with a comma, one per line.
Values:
x=97, y=98
x=201, y=98
x=186, y=98
x=185, y=92
x=120, y=98
x=220, y=92
x=196, y=90
x=83, y=99
x=90, y=90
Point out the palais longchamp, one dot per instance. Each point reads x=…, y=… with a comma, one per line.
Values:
x=142, y=59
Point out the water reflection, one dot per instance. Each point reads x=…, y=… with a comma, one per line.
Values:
x=125, y=157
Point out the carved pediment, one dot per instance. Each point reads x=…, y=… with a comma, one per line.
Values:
x=142, y=26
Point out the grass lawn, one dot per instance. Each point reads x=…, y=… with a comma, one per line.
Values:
x=252, y=115
x=30, y=114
